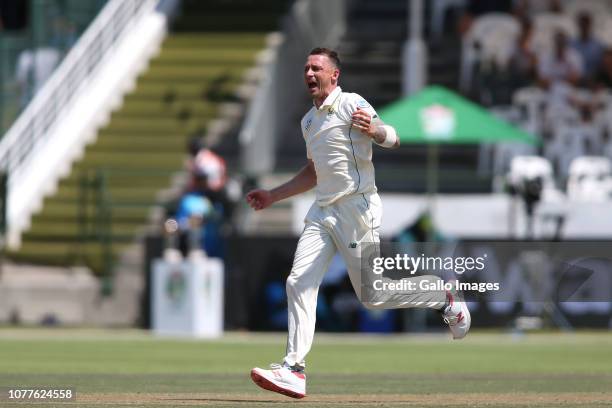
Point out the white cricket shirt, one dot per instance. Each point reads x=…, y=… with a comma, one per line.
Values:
x=341, y=153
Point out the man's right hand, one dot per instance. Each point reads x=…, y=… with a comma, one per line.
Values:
x=259, y=199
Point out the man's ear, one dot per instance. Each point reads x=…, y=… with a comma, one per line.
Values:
x=336, y=74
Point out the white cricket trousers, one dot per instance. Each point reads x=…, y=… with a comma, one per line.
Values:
x=346, y=226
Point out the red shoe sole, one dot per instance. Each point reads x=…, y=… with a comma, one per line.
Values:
x=270, y=386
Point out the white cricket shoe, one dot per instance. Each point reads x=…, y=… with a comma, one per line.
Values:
x=457, y=316
x=281, y=379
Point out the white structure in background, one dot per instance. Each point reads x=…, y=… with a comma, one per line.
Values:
x=532, y=179
x=51, y=133
x=529, y=168
x=590, y=179
x=187, y=295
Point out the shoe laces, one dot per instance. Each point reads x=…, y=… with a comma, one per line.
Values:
x=452, y=320
x=277, y=366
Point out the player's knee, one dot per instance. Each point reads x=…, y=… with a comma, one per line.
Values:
x=374, y=305
x=293, y=284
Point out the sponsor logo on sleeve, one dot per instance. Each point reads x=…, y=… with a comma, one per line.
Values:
x=362, y=103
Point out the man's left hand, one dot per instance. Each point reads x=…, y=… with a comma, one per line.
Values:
x=363, y=121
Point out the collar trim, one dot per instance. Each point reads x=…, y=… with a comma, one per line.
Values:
x=330, y=100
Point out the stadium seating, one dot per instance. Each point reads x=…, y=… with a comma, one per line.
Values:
x=491, y=37
x=573, y=120
x=594, y=7
x=527, y=168
x=545, y=25
x=590, y=179
x=108, y=197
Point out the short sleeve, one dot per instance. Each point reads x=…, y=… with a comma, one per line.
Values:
x=355, y=101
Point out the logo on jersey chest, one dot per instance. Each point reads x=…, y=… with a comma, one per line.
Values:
x=308, y=124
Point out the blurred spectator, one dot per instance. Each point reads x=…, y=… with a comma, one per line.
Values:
x=198, y=213
x=34, y=67
x=603, y=78
x=554, y=6
x=203, y=161
x=194, y=145
x=421, y=230
x=562, y=64
x=206, y=201
x=477, y=8
x=64, y=34
x=529, y=8
x=13, y=14
x=589, y=48
x=523, y=62
x=212, y=166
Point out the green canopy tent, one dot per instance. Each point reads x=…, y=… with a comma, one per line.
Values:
x=436, y=116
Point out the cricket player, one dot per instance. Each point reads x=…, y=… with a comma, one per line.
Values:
x=338, y=130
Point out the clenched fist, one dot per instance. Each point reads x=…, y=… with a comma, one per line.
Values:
x=259, y=199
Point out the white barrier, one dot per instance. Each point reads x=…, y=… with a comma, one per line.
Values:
x=187, y=297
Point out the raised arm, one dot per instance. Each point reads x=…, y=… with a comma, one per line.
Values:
x=303, y=181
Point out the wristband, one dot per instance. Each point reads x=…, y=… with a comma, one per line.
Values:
x=390, y=136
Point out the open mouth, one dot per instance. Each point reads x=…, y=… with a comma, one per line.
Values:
x=312, y=85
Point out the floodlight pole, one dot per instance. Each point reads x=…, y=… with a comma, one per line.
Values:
x=414, y=77
x=414, y=55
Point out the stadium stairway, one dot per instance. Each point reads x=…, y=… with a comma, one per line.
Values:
x=108, y=198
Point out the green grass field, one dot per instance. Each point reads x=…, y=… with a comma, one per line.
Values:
x=132, y=368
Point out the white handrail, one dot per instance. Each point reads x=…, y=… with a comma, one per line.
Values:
x=33, y=125
x=67, y=111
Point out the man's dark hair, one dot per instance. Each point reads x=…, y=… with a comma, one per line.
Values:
x=331, y=54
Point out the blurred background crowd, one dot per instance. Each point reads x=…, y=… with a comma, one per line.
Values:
x=118, y=116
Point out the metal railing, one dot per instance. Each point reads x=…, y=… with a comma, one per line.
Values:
x=94, y=218
x=29, y=55
x=3, y=180
x=3, y=202
x=33, y=125
x=100, y=218
x=51, y=131
x=311, y=23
